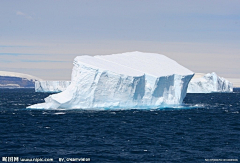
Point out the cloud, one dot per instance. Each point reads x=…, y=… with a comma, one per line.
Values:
x=19, y=13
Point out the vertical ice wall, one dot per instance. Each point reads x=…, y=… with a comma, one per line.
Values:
x=51, y=86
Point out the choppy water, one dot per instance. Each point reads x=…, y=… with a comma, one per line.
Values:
x=208, y=127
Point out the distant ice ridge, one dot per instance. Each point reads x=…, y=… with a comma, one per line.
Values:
x=17, y=80
x=209, y=83
x=51, y=86
x=127, y=80
x=20, y=75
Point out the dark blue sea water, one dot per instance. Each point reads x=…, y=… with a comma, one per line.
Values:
x=208, y=127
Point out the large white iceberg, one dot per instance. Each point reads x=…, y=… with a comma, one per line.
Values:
x=127, y=80
x=51, y=86
x=209, y=83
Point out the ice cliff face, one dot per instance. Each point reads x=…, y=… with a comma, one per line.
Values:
x=51, y=86
x=209, y=83
x=200, y=83
x=128, y=80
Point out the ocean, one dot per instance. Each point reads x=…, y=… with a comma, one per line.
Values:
x=205, y=129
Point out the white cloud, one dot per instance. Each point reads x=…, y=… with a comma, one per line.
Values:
x=23, y=14
x=19, y=13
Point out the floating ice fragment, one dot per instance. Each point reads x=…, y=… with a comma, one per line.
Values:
x=209, y=83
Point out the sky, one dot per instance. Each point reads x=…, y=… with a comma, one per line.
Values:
x=42, y=37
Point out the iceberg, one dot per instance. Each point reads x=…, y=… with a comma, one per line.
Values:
x=209, y=83
x=51, y=86
x=127, y=80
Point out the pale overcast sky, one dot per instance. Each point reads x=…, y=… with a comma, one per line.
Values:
x=42, y=37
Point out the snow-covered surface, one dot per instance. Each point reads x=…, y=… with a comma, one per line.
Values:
x=209, y=83
x=51, y=86
x=150, y=63
x=20, y=75
x=128, y=80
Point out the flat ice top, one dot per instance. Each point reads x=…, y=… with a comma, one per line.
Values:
x=98, y=63
x=149, y=63
x=136, y=64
